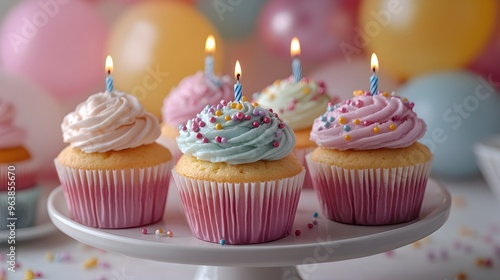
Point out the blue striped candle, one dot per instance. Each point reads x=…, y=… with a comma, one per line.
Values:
x=237, y=86
x=209, y=58
x=374, y=78
x=295, y=52
x=109, y=79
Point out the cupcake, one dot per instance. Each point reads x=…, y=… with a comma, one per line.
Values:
x=113, y=174
x=298, y=104
x=17, y=173
x=237, y=178
x=369, y=168
x=186, y=100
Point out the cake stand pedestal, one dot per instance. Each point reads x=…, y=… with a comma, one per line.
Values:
x=325, y=242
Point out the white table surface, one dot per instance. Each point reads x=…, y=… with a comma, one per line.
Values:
x=471, y=233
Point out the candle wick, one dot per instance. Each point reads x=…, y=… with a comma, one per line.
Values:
x=374, y=70
x=109, y=72
x=238, y=77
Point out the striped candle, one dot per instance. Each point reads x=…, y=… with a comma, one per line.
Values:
x=209, y=58
x=374, y=78
x=109, y=69
x=237, y=86
x=295, y=52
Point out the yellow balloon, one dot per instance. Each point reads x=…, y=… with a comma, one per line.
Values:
x=412, y=37
x=156, y=44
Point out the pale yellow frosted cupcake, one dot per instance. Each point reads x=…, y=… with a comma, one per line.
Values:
x=113, y=173
x=298, y=104
x=237, y=179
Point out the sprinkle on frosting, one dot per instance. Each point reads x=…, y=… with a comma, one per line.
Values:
x=110, y=122
x=191, y=96
x=10, y=135
x=368, y=122
x=252, y=134
x=297, y=103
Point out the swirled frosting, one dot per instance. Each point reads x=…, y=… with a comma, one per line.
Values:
x=109, y=122
x=236, y=133
x=368, y=122
x=192, y=94
x=10, y=135
x=297, y=103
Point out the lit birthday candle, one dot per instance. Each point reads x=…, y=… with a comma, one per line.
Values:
x=374, y=78
x=209, y=58
x=295, y=53
x=109, y=69
x=237, y=86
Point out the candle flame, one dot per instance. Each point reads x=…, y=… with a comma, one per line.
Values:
x=210, y=45
x=237, y=70
x=109, y=64
x=374, y=62
x=295, y=47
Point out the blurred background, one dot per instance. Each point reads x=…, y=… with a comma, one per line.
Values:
x=443, y=55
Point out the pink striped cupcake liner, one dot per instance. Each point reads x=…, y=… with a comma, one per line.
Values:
x=240, y=213
x=301, y=156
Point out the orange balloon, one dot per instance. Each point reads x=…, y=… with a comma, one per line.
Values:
x=156, y=44
x=412, y=37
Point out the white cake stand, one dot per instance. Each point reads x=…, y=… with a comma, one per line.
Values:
x=325, y=242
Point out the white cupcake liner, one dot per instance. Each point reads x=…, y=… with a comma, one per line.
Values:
x=115, y=198
x=240, y=213
x=26, y=204
x=375, y=196
x=488, y=159
x=300, y=154
x=25, y=174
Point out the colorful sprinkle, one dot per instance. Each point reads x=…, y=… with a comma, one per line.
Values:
x=276, y=144
x=392, y=127
x=306, y=90
x=347, y=137
x=212, y=119
x=342, y=120
x=323, y=118
x=223, y=140
x=279, y=133
x=218, y=126
x=222, y=242
x=359, y=103
x=281, y=125
x=297, y=232
x=239, y=106
x=159, y=231
x=356, y=121
x=218, y=139
x=205, y=140
x=343, y=110
x=144, y=231
x=28, y=274
x=248, y=117
x=38, y=275
x=347, y=128
x=170, y=233
x=227, y=118
x=243, y=98
x=366, y=123
x=255, y=124
x=315, y=214
x=310, y=225
x=461, y=276
x=240, y=115
x=218, y=113
x=315, y=222
x=376, y=129
x=90, y=263
x=233, y=105
x=255, y=104
x=326, y=124
x=389, y=253
x=199, y=136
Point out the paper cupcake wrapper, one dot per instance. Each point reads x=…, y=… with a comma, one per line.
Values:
x=240, y=213
x=115, y=198
x=171, y=145
x=488, y=160
x=375, y=196
x=301, y=156
x=25, y=175
x=26, y=204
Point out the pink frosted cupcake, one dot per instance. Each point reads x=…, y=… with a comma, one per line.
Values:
x=186, y=100
x=368, y=168
x=113, y=173
x=237, y=179
x=298, y=104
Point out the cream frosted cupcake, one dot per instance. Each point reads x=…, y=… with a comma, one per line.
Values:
x=18, y=187
x=368, y=168
x=298, y=104
x=113, y=173
x=237, y=179
x=186, y=100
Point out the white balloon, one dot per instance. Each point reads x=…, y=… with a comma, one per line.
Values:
x=41, y=115
x=343, y=77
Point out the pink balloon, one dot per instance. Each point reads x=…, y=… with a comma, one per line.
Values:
x=343, y=77
x=487, y=62
x=58, y=44
x=320, y=25
x=41, y=115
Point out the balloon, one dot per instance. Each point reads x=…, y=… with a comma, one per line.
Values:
x=322, y=26
x=41, y=115
x=233, y=18
x=343, y=77
x=486, y=63
x=156, y=44
x=58, y=44
x=460, y=108
x=416, y=37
